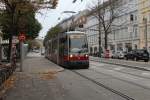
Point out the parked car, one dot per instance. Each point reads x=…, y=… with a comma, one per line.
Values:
x=136, y=55
x=36, y=51
x=118, y=55
x=42, y=53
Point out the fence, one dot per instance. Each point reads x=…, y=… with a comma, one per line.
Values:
x=6, y=70
x=5, y=73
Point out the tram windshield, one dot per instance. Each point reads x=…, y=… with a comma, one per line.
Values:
x=78, y=44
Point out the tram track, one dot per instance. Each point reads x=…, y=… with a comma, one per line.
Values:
x=122, y=71
x=126, y=97
x=144, y=87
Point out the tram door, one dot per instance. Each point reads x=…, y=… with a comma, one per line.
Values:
x=63, y=50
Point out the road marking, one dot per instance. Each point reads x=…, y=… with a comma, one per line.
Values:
x=93, y=67
x=99, y=64
x=118, y=68
x=146, y=74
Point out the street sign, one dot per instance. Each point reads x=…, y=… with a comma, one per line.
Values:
x=22, y=37
x=15, y=40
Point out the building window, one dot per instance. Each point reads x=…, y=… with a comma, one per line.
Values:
x=131, y=17
x=119, y=47
x=128, y=47
x=95, y=49
x=91, y=50
x=135, y=46
x=135, y=31
x=135, y=17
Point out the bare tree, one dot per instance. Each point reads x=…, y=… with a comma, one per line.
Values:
x=105, y=13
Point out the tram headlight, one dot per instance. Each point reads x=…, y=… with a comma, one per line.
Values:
x=86, y=55
x=71, y=56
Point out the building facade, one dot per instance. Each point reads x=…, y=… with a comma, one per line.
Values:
x=124, y=35
x=144, y=23
x=92, y=33
x=130, y=30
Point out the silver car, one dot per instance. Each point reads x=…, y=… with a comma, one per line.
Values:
x=118, y=55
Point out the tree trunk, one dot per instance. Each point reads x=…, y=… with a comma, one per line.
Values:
x=100, y=41
x=10, y=46
x=106, y=40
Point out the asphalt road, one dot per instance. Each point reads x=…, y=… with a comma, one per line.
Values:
x=100, y=82
x=132, y=82
x=108, y=81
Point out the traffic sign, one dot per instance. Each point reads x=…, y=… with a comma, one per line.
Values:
x=22, y=37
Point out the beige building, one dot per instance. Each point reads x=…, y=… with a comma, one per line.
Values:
x=144, y=23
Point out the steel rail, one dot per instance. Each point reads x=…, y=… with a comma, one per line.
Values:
x=123, y=72
x=104, y=86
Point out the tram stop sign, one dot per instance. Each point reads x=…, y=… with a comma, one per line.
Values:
x=22, y=37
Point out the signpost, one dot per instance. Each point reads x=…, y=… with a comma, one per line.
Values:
x=22, y=38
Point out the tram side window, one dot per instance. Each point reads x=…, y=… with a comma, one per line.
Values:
x=63, y=46
x=54, y=48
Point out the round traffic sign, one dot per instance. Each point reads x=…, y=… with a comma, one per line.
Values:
x=22, y=37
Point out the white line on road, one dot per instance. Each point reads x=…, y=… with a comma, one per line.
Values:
x=118, y=68
x=146, y=74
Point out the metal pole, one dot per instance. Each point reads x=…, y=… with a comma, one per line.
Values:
x=21, y=56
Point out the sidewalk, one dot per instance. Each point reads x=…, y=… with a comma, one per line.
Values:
x=36, y=82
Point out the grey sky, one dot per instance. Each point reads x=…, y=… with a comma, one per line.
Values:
x=49, y=18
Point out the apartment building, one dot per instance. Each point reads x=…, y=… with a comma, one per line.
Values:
x=144, y=23
x=124, y=33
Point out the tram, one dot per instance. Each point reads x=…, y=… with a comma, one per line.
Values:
x=69, y=49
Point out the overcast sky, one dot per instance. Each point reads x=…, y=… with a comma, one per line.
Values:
x=50, y=18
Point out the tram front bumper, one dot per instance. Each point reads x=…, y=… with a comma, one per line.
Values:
x=77, y=63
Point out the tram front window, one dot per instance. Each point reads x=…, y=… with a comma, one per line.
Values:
x=78, y=44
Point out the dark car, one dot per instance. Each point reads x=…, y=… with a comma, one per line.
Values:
x=136, y=55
